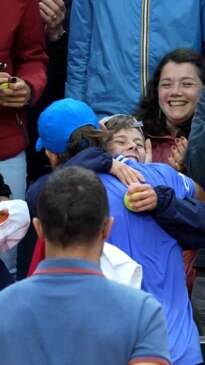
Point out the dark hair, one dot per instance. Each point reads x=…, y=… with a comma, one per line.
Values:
x=120, y=121
x=148, y=112
x=72, y=206
x=4, y=188
x=81, y=139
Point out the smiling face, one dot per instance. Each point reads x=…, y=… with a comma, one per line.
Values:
x=129, y=142
x=178, y=90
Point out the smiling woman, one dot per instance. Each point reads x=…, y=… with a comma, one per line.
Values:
x=167, y=111
x=168, y=107
x=178, y=89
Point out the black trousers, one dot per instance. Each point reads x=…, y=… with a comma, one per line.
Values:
x=198, y=301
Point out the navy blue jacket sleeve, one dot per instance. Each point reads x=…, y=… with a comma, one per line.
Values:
x=92, y=158
x=182, y=219
x=195, y=156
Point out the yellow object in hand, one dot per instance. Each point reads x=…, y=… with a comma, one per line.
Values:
x=128, y=203
x=4, y=85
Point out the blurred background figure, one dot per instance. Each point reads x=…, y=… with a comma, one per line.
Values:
x=14, y=223
x=55, y=15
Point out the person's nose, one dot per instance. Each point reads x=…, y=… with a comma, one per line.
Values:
x=176, y=89
x=132, y=146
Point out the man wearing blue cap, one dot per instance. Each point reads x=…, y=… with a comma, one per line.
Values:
x=77, y=114
x=56, y=125
x=136, y=234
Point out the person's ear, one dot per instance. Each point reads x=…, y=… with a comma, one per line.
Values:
x=53, y=158
x=38, y=227
x=107, y=227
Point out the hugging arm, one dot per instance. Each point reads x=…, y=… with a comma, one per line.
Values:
x=183, y=219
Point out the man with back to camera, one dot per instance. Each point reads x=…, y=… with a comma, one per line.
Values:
x=79, y=315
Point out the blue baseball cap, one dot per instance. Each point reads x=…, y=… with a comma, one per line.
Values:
x=59, y=120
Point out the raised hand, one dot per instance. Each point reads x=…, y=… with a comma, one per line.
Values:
x=176, y=159
x=53, y=15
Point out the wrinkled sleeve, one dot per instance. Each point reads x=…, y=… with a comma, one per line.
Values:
x=78, y=49
x=29, y=55
x=182, y=219
x=195, y=156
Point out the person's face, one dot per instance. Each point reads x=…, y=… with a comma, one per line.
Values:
x=178, y=90
x=129, y=143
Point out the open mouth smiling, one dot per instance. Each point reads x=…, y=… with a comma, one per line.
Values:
x=177, y=103
x=131, y=157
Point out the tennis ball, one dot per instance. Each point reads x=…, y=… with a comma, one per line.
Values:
x=4, y=85
x=128, y=203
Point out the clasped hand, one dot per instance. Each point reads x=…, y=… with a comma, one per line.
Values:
x=13, y=94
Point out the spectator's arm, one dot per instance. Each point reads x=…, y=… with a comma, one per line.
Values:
x=29, y=55
x=92, y=158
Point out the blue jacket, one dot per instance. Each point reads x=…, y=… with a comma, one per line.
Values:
x=115, y=46
x=183, y=219
x=195, y=156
